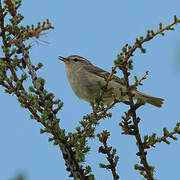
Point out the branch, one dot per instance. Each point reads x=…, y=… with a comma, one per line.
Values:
x=94, y=119
x=131, y=127
x=40, y=103
x=112, y=159
x=152, y=140
x=132, y=113
x=139, y=82
x=150, y=35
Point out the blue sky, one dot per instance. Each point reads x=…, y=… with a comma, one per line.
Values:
x=96, y=30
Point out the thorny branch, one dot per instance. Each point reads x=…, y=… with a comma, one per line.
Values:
x=96, y=117
x=105, y=149
x=150, y=35
x=139, y=82
x=146, y=169
x=152, y=140
x=132, y=112
x=36, y=104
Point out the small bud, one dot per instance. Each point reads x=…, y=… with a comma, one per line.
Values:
x=145, y=138
x=143, y=50
x=41, y=81
x=42, y=131
x=31, y=89
x=56, y=143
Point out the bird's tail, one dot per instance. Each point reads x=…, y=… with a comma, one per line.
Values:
x=155, y=101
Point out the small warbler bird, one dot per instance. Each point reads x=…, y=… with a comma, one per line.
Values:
x=87, y=80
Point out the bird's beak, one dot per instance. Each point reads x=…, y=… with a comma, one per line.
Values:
x=62, y=58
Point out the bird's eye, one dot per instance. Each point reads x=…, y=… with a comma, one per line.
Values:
x=76, y=59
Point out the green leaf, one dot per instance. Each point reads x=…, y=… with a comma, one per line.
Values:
x=146, y=138
x=42, y=131
x=78, y=128
x=124, y=49
x=31, y=89
x=143, y=50
x=41, y=81
x=119, y=60
x=101, y=165
x=113, y=151
x=141, y=100
x=40, y=65
x=88, y=169
x=165, y=131
x=56, y=142
x=116, y=159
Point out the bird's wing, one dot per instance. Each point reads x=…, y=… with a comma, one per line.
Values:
x=102, y=73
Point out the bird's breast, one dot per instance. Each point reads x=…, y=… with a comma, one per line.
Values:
x=85, y=85
x=82, y=84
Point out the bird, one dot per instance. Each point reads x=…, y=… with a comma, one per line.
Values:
x=87, y=80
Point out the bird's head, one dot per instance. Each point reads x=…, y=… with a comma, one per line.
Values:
x=74, y=60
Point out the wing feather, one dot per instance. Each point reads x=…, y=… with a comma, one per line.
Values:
x=102, y=73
